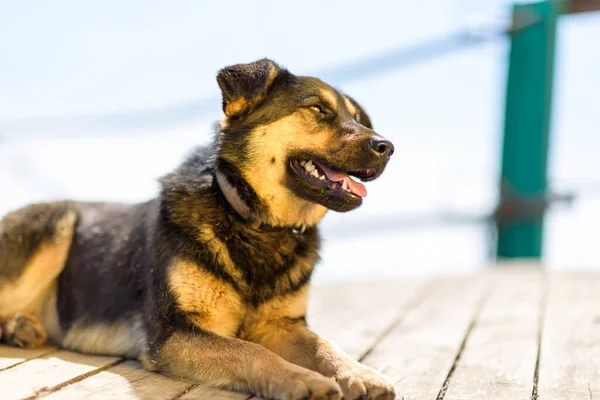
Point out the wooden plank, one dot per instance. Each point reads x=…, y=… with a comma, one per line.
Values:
x=355, y=316
x=11, y=356
x=412, y=331
x=205, y=392
x=570, y=351
x=40, y=374
x=420, y=351
x=125, y=381
x=499, y=357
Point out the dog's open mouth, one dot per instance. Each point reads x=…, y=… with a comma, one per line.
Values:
x=331, y=179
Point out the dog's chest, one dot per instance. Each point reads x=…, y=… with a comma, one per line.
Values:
x=238, y=273
x=206, y=300
x=224, y=303
x=266, y=266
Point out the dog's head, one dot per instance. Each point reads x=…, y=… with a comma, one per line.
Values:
x=293, y=146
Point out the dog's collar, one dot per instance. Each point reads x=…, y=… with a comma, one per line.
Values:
x=239, y=205
x=233, y=198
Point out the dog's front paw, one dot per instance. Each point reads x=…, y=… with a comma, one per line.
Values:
x=360, y=383
x=308, y=385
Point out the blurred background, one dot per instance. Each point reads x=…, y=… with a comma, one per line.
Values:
x=99, y=99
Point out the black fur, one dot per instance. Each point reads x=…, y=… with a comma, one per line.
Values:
x=103, y=279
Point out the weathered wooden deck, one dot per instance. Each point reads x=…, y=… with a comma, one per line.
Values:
x=513, y=333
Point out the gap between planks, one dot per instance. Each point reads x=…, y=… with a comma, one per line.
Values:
x=540, y=336
x=480, y=302
x=79, y=378
x=42, y=374
x=498, y=358
x=419, y=351
x=127, y=380
x=463, y=344
x=10, y=354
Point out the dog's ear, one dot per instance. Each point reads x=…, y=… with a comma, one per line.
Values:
x=361, y=115
x=243, y=86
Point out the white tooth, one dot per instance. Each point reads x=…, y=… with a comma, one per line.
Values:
x=310, y=168
x=348, y=190
x=322, y=177
x=315, y=173
x=303, y=163
x=345, y=185
x=308, y=164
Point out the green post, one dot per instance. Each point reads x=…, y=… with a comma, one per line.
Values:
x=527, y=126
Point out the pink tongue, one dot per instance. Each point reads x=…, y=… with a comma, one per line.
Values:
x=337, y=176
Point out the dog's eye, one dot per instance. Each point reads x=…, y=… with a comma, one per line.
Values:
x=317, y=109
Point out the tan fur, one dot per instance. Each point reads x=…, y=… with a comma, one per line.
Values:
x=123, y=338
x=239, y=365
x=329, y=97
x=278, y=326
x=237, y=105
x=282, y=309
x=47, y=314
x=24, y=330
x=350, y=107
x=210, y=303
x=294, y=342
x=30, y=292
x=276, y=140
x=187, y=357
x=221, y=252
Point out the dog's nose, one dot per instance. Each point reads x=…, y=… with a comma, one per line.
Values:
x=381, y=146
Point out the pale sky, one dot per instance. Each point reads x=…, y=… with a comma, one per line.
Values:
x=445, y=116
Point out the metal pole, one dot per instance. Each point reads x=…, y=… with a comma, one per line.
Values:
x=527, y=127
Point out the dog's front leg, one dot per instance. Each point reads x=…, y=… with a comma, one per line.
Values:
x=239, y=365
x=291, y=339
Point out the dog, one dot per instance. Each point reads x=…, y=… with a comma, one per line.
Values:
x=209, y=281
